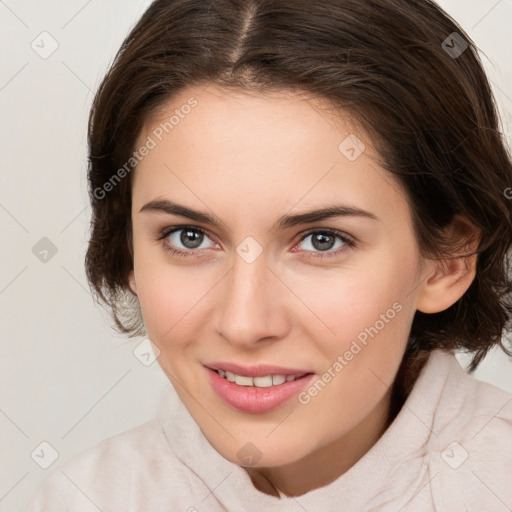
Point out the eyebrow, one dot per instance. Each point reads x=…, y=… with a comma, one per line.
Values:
x=286, y=221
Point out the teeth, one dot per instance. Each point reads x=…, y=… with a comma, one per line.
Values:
x=279, y=379
x=263, y=382
x=243, y=381
x=259, y=382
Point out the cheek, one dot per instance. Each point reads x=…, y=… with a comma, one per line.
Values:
x=370, y=317
x=360, y=303
x=168, y=295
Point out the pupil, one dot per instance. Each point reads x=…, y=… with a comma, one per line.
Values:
x=322, y=241
x=191, y=239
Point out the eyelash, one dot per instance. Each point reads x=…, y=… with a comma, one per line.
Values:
x=347, y=241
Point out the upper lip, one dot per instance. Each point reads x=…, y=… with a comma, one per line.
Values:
x=260, y=370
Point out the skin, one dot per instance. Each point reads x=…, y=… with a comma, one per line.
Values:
x=249, y=159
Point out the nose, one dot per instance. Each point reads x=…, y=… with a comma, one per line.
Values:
x=252, y=307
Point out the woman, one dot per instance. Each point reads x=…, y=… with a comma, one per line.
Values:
x=302, y=205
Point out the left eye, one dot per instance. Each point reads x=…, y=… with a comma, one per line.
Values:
x=323, y=241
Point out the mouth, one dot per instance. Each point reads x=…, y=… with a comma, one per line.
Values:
x=257, y=393
x=265, y=381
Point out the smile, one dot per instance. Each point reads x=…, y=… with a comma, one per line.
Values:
x=260, y=382
x=260, y=393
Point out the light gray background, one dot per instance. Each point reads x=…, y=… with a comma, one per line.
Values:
x=66, y=378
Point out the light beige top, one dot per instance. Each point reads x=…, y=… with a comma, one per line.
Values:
x=448, y=450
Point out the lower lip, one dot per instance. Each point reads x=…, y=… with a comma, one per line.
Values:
x=253, y=399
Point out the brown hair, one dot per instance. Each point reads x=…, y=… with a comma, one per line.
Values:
x=395, y=65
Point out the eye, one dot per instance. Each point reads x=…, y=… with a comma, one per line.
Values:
x=323, y=241
x=183, y=240
x=186, y=241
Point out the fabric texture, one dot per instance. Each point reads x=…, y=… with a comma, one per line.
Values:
x=449, y=449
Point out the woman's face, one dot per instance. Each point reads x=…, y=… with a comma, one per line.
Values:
x=261, y=280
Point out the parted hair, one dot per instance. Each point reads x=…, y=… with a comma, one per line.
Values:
x=404, y=69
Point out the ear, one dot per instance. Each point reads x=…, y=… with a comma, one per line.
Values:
x=131, y=282
x=451, y=276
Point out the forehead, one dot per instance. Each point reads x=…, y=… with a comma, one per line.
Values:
x=213, y=104
x=267, y=149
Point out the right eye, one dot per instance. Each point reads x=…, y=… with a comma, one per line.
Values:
x=189, y=237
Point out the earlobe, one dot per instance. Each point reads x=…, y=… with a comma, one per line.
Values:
x=451, y=276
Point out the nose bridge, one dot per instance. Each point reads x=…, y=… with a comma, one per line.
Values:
x=249, y=307
x=247, y=292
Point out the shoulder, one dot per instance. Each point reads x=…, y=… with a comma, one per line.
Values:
x=470, y=452
x=108, y=473
x=139, y=446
